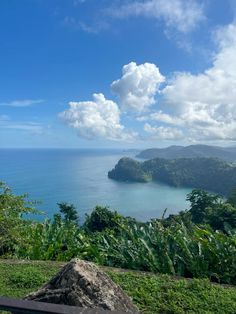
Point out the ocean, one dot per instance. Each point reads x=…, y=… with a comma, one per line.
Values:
x=79, y=176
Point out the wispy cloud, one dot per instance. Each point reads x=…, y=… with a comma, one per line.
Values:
x=181, y=15
x=93, y=28
x=176, y=17
x=77, y=2
x=32, y=127
x=22, y=102
x=28, y=126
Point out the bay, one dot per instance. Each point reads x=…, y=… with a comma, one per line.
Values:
x=79, y=176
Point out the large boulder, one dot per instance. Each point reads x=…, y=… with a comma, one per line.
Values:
x=83, y=284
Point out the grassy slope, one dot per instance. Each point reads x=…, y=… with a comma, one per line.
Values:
x=151, y=293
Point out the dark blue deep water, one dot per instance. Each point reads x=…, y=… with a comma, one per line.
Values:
x=80, y=177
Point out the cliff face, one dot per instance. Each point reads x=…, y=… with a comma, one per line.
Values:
x=203, y=173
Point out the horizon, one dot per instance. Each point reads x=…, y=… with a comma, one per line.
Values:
x=118, y=75
x=113, y=148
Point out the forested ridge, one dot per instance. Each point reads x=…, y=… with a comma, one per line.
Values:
x=191, y=151
x=210, y=174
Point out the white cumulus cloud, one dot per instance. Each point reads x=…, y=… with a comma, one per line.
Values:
x=205, y=103
x=192, y=107
x=138, y=86
x=99, y=118
x=163, y=133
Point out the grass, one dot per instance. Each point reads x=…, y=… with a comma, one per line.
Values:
x=18, y=279
x=151, y=293
x=165, y=294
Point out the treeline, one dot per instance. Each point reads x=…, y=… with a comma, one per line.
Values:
x=200, y=242
x=203, y=173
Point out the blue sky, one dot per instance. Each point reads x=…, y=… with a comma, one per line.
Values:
x=87, y=73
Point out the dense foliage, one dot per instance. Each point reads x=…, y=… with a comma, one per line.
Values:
x=200, y=242
x=128, y=169
x=202, y=173
x=151, y=293
x=12, y=222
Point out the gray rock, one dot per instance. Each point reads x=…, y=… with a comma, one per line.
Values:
x=83, y=284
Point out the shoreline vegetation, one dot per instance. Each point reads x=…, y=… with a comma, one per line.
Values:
x=198, y=243
x=205, y=173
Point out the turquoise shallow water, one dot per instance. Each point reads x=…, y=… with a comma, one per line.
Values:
x=80, y=177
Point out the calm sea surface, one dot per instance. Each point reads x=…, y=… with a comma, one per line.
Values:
x=80, y=177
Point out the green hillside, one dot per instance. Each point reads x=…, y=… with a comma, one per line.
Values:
x=205, y=173
x=191, y=151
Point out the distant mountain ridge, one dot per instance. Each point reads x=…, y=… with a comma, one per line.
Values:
x=210, y=174
x=191, y=151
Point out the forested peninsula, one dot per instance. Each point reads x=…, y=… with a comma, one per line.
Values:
x=211, y=174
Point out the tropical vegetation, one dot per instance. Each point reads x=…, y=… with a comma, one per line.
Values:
x=199, y=243
x=209, y=174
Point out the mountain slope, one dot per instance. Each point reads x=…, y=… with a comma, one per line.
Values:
x=192, y=151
